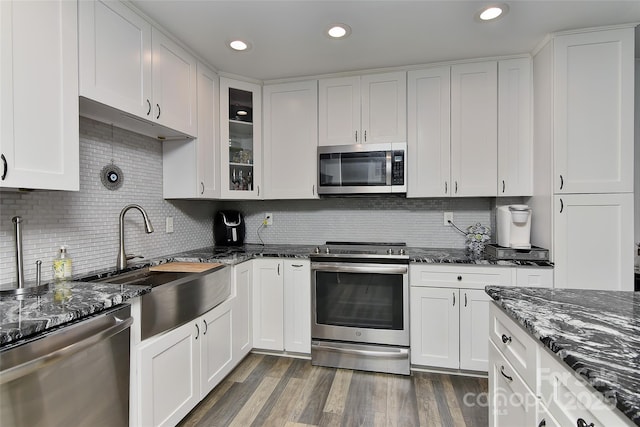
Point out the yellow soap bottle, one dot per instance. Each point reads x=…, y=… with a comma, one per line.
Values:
x=62, y=265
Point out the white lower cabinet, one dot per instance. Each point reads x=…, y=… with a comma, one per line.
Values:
x=282, y=305
x=177, y=369
x=449, y=324
x=530, y=386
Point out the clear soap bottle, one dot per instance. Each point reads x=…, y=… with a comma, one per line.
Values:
x=62, y=265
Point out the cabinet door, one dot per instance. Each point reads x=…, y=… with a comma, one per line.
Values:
x=240, y=139
x=474, y=134
x=115, y=57
x=435, y=326
x=191, y=167
x=474, y=329
x=339, y=111
x=169, y=375
x=511, y=402
x=384, y=107
x=515, y=147
x=216, y=357
x=242, y=316
x=39, y=137
x=174, y=85
x=290, y=140
x=594, y=107
x=268, y=304
x=297, y=306
x=429, y=133
x=593, y=241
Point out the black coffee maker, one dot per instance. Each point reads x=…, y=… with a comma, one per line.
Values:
x=228, y=228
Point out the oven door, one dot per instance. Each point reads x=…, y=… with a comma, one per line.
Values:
x=360, y=302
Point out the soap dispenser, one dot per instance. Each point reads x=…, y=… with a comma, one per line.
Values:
x=62, y=265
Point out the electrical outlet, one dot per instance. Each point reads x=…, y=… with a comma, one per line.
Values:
x=169, y=224
x=268, y=218
x=448, y=216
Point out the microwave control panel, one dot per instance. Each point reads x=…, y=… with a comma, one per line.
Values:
x=397, y=173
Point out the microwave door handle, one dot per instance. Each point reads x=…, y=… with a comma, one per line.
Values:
x=389, y=168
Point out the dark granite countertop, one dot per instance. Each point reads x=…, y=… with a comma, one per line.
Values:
x=595, y=333
x=62, y=303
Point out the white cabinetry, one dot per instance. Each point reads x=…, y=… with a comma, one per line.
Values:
x=474, y=134
x=290, y=140
x=268, y=304
x=297, y=306
x=541, y=277
x=126, y=65
x=282, y=305
x=39, y=136
x=593, y=241
x=583, y=130
x=240, y=139
x=515, y=149
x=242, y=315
x=449, y=312
x=429, y=132
x=217, y=353
x=362, y=109
x=191, y=168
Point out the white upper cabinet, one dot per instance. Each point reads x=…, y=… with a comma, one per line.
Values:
x=191, y=168
x=290, y=140
x=594, y=111
x=240, y=139
x=39, y=129
x=370, y=108
x=174, y=85
x=115, y=56
x=474, y=139
x=515, y=149
x=128, y=66
x=428, y=132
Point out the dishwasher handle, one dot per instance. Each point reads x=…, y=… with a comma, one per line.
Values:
x=42, y=361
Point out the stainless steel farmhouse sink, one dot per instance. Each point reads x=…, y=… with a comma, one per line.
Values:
x=176, y=298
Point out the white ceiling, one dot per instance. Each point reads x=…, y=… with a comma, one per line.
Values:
x=288, y=38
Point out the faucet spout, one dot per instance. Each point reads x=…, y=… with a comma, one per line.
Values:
x=121, y=263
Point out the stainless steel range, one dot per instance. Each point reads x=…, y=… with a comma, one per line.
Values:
x=360, y=306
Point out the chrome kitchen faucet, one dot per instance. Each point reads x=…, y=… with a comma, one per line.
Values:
x=121, y=264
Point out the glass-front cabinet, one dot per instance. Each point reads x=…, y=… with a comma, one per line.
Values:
x=241, y=146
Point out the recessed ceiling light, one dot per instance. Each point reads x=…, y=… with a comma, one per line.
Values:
x=338, y=31
x=492, y=12
x=239, y=45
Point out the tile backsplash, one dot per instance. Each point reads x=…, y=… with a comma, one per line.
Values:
x=87, y=221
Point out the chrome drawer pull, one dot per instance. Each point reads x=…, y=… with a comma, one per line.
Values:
x=582, y=423
x=506, y=339
x=543, y=423
x=505, y=375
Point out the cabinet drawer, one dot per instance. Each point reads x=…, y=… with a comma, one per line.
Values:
x=570, y=398
x=459, y=276
x=534, y=277
x=518, y=347
x=511, y=402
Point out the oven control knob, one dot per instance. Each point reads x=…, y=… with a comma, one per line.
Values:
x=390, y=251
x=317, y=250
x=401, y=251
x=327, y=251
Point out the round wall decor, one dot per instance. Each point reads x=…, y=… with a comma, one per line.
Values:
x=111, y=177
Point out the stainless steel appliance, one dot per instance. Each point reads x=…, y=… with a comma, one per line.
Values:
x=77, y=375
x=228, y=228
x=360, y=307
x=362, y=169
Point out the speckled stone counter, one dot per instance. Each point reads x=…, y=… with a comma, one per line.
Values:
x=34, y=315
x=596, y=333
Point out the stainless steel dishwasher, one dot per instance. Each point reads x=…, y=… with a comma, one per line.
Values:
x=77, y=375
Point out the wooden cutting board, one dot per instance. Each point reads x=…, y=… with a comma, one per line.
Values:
x=185, y=267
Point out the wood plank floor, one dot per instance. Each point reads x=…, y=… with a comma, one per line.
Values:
x=277, y=391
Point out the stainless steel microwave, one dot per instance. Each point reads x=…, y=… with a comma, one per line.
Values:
x=362, y=169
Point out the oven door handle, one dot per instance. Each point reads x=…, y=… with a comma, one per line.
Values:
x=399, y=353
x=360, y=268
